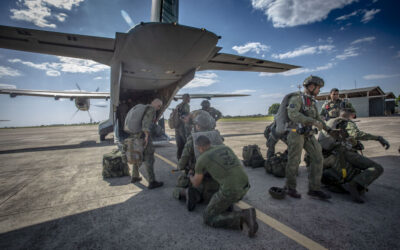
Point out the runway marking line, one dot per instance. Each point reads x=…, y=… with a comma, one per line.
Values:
x=268, y=220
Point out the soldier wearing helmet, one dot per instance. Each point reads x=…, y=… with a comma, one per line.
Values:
x=206, y=106
x=181, y=130
x=331, y=108
x=303, y=115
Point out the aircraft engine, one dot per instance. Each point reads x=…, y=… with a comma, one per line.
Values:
x=82, y=104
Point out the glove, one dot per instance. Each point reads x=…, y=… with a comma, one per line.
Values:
x=318, y=125
x=384, y=143
x=359, y=146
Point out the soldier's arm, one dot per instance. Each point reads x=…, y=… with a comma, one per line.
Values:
x=324, y=126
x=199, y=173
x=357, y=134
x=218, y=114
x=148, y=119
x=294, y=113
x=323, y=110
x=186, y=154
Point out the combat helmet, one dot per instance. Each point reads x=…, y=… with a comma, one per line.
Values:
x=314, y=80
x=203, y=119
x=277, y=193
x=205, y=104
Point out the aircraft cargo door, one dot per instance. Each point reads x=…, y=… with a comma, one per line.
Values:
x=376, y=106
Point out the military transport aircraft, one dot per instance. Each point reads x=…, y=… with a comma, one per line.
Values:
x=152, y=60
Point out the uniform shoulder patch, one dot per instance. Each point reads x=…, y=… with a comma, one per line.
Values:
x=292, y=106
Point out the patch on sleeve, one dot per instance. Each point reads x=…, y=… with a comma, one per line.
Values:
x=292, y=106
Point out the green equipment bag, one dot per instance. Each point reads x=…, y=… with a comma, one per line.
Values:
x=113, y=165
x=276, y=165
x=252, y=156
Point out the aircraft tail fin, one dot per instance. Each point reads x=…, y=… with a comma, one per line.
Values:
x=165, y=11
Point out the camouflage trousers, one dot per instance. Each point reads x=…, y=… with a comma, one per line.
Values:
x=216, y=214
x=180, y=138
x=296, y=143
x=368, y=170
x=147, y=159
x=206, y=189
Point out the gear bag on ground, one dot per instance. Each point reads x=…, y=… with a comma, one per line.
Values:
x=252, y=156
x=276, y=165
x=113, y=165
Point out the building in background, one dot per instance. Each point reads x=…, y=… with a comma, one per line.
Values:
x=370, y=101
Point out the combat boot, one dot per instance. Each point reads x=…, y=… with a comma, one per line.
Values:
x=319, y=194
x=155, y=184
x=293, y=193
x=353, y=190
x=192, y=198
x=248, y=217
x=136, y=179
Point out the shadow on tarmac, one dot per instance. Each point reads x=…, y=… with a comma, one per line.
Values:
x=84, y=144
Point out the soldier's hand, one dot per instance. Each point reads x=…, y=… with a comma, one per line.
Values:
x=384, y=143
x=318, y=125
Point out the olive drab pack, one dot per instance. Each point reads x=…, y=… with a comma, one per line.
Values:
x=133, y=120
x=252, y=156
x=173, y=120
x=113, y=165
x=276, y=165
x=281, y=118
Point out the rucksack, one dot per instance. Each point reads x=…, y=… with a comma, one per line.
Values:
x=174, y=119
x=281, y=118
x=113, y=165
x=276, y=165
x=252, y=156
x=133, y=120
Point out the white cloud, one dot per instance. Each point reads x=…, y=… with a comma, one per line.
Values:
x=349, y=52
x=7, y=71
x=369, y=15
x=273, y=96
x=345, y=17
x=252, y=46
x=304, y=50
x=66, y=64
x=243, y=91
x=300, y=70
x=38, y=11
x=364, y=39
x=379, y=76
x=7, y=86
x=127, y=18
x=290, y=13
x=98, y=78
x=202, y=80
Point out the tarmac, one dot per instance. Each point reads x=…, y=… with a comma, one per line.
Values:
x=53, y=196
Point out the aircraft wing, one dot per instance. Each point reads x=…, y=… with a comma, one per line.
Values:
x=99, y=49
x=209, y=96
x=56, y=94
x=222, y=61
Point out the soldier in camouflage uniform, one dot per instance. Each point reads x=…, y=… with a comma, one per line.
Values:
x=303, y=114
x=331, y=109
x=148, y=153
x=215, y=113
x=181, y=130
x=355, y=171
x=203, y=122
x=225, y=168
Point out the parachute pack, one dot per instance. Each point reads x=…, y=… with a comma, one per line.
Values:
x=133, y=120
x=281, y=118
x=113, y=165
x=276, y=165
x=173, y=120
x=252, y=156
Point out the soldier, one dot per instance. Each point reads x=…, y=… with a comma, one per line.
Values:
x=303, y=114
x=181, y=129
x=206, y=106
x=343, y=164
x=139, y=145
x=225, y=168
x=331, y=109
x=203, y=122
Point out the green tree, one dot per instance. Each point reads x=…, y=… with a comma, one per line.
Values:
x=273, y=109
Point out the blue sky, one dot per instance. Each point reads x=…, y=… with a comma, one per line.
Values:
x=346, y=42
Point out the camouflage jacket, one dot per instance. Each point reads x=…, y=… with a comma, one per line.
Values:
x=215, y=113
x=331, y=109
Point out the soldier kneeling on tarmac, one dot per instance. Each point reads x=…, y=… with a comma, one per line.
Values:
x=203, y=125
x=225, y=168
x=346, y=170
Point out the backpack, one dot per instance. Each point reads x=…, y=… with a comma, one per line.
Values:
x=174, y=119
x=276, y=165
x=252, y=156
x=133, y=120
x=113, y=165
x=281, y=118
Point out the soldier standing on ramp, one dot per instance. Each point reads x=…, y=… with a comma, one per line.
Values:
x=225, y=168
x=181, y=130
x=139, y=146
x=215, y=113
x=303, y=114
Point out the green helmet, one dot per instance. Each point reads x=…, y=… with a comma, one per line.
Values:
x=349, y=109
x=313, y=80
x=277, y=193
x=203, y=119
x=205, y=104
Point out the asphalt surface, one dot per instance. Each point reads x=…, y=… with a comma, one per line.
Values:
x=52, y=196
